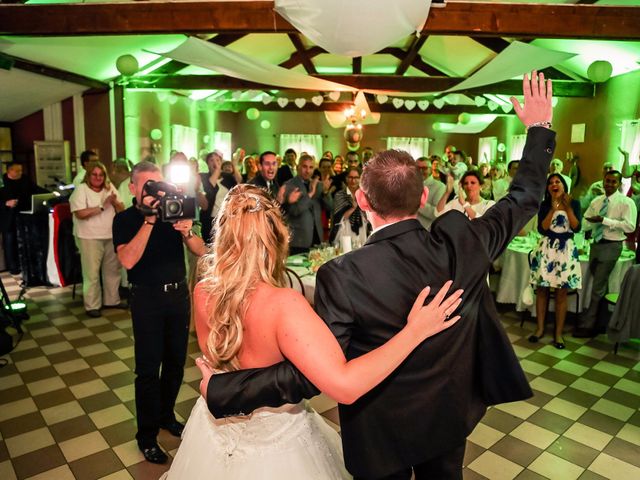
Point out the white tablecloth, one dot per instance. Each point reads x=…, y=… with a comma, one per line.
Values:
x=307, y=276
x=515, y=276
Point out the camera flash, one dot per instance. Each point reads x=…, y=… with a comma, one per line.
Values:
x=180, y=173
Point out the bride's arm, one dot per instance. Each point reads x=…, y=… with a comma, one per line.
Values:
x=309, y=344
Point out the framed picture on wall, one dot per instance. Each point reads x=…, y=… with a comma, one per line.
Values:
x=52, y=160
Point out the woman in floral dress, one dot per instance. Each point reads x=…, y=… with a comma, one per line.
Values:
x=554, y=262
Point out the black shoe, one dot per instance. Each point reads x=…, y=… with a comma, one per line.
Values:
x=535, y=338
x=584, y=333
x=15, y=272
x=94, y=313
x=559, y=344
x=120, y=305
x=154, y=454
x=175, y=428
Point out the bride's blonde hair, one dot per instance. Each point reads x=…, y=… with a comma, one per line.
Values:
x=251, y=244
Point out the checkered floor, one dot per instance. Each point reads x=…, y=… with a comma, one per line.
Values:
x=67, y=408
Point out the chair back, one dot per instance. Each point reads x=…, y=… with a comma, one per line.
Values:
x=625, y=321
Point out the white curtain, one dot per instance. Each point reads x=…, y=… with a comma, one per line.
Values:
x=220, y=141
x=517, y=146
x=311, y=144
x=185, y=140
x=630, y=142
x=487, y=148
x=416, y=146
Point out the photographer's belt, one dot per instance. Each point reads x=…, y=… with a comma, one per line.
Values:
x=163, y=287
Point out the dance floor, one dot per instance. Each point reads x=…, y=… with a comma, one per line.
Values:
x=67, y=403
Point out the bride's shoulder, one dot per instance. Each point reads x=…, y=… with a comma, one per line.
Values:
x=280, y=295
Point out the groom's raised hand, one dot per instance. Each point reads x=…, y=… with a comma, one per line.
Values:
x=537, y=110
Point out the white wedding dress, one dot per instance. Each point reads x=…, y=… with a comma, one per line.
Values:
x=290, y=442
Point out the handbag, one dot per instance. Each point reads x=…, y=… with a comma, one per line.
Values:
x=527, y=295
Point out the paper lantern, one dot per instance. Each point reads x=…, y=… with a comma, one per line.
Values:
x=501, y=147
x=599, y=71
x=155, y=134
x=266, y=124
x=464, y=118
x=127, y=65
x=437, y=126
x=253, y=113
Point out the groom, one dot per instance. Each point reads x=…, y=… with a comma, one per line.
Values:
x=417, y=420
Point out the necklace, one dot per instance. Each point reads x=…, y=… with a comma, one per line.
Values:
x=556, y=205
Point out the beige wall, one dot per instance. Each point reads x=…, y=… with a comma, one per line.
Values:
x=615, y=101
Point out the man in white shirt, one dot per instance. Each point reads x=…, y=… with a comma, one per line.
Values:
x=85, y=157
x=609, y=218
x=596, y=188
x=427, y=214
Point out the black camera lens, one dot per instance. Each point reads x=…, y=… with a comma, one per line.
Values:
x=173, y=208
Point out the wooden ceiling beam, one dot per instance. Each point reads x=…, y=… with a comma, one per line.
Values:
x=363, y=82
x=456, y=18
x=411, y=54
x=417, y=62
x=56, y=73
x=374, y=107
x=296, y=57
x=304, y=58
x=356, y=65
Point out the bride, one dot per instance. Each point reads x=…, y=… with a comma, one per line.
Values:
x=245, y=318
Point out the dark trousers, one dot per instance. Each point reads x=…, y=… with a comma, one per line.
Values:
x=161, y=330
x=447, y=466
x=10, y=245
x=602, y=261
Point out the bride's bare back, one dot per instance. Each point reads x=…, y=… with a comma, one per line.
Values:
x=267, y=304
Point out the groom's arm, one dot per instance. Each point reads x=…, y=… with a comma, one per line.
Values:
x=241, y=392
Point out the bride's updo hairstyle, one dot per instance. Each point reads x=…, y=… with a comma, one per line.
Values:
x=251, y=244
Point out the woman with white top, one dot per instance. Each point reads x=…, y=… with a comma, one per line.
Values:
x=468, y=200
x=94, y=203
x=347, y=219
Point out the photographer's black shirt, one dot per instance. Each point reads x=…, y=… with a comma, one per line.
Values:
x=163, y=259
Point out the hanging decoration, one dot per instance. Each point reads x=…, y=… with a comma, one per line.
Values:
x=599, y=71
x=317, y=100
x=267, y=99
x=300, y=102
x=438, y=103
x=397, y=102
x=464, y=118
x=382, y=99
x=282, y=101
x=265, y=124
x=410, y=104
x=353, y=136
x=155, y=134
x=127, y=65
x=253, y=113
x=423, y=105
x=480, y=101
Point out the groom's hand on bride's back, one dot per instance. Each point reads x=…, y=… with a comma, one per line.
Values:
x=206, y=372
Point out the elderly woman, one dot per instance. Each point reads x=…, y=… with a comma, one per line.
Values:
x=468, y=200
x=348, y=219
x=94, y=203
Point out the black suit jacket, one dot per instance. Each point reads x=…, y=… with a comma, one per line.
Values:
x=259, y=181
x=430, y=404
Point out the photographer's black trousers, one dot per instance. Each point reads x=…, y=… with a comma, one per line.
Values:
x=160, y=317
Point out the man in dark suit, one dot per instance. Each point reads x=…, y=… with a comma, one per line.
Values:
x=416, y=420
x=285, y=172
x=303, y=197
x=266, y=177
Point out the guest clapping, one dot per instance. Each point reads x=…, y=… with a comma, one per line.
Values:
x=555, y=262
x=94, y=203
x=347, y=219
x=468, y=200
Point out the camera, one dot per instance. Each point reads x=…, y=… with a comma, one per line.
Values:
x=173, y=205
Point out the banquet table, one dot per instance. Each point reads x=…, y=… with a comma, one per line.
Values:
x=302, y=267
x=515, y=275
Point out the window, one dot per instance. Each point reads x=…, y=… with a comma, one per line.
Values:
x=311, y=144
x=416, y=146
x=487, y=149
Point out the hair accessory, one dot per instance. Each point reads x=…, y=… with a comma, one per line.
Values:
x=258, y=205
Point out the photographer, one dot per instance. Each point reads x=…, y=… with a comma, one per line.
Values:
x=151, y=251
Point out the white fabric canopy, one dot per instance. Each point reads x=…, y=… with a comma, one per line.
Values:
x=355, y=27
x=515, y=60
x=225, y=61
